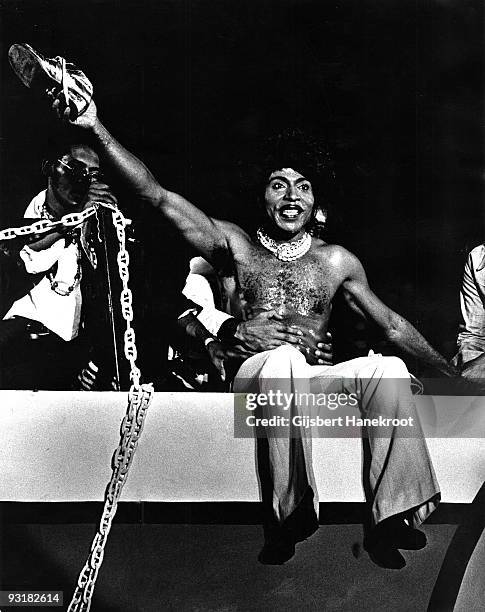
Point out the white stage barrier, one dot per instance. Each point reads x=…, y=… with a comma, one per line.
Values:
x=57, y=446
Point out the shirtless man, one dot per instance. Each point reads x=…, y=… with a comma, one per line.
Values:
x=286, y=269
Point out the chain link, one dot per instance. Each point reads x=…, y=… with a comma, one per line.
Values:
x=131, y=428
x=46, y=225
x=139, y=398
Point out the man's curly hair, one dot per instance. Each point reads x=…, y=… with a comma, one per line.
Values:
x=293, y=148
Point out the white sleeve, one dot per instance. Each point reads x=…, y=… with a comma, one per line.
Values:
x=41, y=261
x=471, y=336
x=30, y=211
x=197, y=288
x=472, y=307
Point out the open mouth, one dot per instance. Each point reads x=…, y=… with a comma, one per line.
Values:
x=290, y=211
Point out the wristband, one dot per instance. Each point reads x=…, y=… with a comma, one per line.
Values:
x=207, y=341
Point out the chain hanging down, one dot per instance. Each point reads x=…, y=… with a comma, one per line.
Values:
x=139, y=398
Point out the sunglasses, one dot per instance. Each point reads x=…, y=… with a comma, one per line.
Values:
x=78, y=172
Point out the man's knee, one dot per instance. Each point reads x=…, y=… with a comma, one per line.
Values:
x=392, y=367
x=381, y=367
x=285, y=351
x=283, y=359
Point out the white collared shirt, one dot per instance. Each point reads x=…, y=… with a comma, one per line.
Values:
x=59, y=313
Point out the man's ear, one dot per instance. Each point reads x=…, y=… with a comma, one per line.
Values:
x=321, y=216
x=319, y=221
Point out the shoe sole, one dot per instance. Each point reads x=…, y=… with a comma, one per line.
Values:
x=275, y=558
x=27, y=65
x=381, y=561
x=301, y=537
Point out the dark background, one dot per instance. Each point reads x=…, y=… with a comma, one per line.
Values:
x=191, y=87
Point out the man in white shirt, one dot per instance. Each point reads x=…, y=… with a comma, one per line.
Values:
x=39, y=335
x=471, y=334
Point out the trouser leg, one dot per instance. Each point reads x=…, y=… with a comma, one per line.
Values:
x=398, y=474
x=284, y=455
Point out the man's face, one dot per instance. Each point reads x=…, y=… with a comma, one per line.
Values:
x=289, y=200
x=70, y=176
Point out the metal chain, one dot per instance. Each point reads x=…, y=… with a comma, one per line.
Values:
x=139, y=398
x=46, y=225
x=131, y=428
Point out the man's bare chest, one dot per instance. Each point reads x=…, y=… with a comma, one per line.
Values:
x=302, y=286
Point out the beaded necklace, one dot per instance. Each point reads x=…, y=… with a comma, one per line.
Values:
x=285, y=251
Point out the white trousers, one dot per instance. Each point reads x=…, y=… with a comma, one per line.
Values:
x=398, y=474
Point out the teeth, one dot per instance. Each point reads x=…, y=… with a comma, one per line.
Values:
x=290, y=213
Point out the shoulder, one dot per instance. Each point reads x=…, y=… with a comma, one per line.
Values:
x=477, y=255
x=34, y=209
x=474, y=270
x=337, y=256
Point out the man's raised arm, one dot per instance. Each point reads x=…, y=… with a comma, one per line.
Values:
x=396, y=328
x=199, y=230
